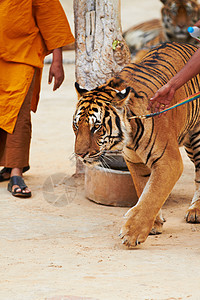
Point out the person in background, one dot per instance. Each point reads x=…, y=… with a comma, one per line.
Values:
x=30, y=29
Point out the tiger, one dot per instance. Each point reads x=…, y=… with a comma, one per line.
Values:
x=176, y=17
x=104, y=121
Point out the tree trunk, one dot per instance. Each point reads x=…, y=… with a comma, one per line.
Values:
x=100, y=48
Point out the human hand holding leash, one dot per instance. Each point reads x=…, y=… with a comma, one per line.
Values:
x=162, y=98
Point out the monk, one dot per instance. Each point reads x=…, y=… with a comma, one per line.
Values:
x=29, y=30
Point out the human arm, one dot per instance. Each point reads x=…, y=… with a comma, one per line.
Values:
x=56, y=33
x=56, y=70
x=164, y=95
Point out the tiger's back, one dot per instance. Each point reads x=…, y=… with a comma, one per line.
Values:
x=155, y=70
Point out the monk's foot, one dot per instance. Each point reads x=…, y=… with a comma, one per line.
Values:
x=18, y=188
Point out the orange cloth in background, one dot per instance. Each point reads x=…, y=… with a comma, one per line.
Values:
x=29, y=30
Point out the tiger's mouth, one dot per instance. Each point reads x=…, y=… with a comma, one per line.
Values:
x=181, y=35
x=94, y=159
x=99, y=158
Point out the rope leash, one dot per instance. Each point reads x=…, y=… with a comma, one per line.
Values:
x=184, y=101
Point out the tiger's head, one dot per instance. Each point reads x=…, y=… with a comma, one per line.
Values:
x=177, y=16
x=98, y=122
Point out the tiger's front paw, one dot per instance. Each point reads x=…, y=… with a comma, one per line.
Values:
x=136, y=229
x=193, y=213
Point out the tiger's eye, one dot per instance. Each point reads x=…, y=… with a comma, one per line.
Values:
x=173, y=9
x=96, y=127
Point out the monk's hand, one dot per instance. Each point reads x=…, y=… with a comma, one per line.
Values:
x=56, y=70
x=162, y=98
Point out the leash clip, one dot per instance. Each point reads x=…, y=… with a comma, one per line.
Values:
x=138, y=117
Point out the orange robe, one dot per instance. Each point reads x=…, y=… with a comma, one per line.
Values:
x=30, y=29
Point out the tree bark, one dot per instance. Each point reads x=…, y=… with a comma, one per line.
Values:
x=100, y=48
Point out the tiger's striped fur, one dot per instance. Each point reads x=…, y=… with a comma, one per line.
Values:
x=176, y=17
x=102, y=122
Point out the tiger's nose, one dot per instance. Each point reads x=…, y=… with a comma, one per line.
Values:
x=181, y=26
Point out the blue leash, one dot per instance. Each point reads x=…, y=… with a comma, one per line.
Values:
x=189, y=99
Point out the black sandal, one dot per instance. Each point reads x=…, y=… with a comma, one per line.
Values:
x=18, y=180
x=8, y=170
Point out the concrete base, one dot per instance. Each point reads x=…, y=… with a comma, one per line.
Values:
x=110, y=186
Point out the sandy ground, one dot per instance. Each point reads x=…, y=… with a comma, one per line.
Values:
x=59, y=245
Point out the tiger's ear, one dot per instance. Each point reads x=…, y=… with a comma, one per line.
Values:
x=121, y=98
x=80, y=91
x=163, y=1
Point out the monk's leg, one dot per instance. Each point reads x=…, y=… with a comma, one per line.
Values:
x=17, y=144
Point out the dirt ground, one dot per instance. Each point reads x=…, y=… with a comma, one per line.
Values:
x=59, y=245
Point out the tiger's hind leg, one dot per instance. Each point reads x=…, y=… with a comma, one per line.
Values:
x=193, y=151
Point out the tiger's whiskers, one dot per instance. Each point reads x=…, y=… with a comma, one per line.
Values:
x=105, y=165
